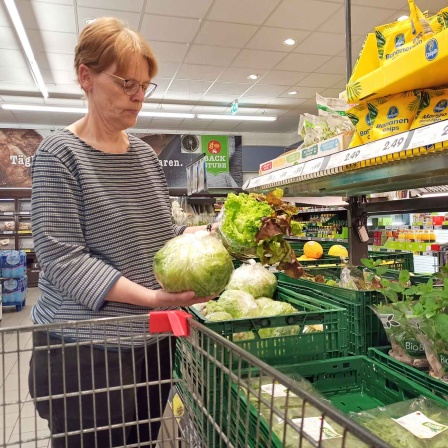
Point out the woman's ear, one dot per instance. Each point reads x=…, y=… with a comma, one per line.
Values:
x=85, y=78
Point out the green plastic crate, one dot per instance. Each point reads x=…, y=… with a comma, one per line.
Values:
x=331, y=342
x=352, y=384
x=425, y=380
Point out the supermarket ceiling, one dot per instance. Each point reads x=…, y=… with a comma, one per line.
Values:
x=206, y=50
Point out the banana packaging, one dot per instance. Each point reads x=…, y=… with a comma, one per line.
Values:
x=393, y=114
x=433, y=107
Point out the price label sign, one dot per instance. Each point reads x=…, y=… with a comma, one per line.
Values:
x=440, y=131
x=298, y=170
x=336, y=160
x=415, y=227
x=276, y=176
x=391, y=145
x=437, y=227
x=425, y=136
x=427, y=227
x=313, y=166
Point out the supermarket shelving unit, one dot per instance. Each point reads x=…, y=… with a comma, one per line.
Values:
x=413, y=159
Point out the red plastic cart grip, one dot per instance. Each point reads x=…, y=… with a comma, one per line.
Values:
x=169, y=322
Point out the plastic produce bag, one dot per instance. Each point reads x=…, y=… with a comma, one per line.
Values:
x=238, y=304
x=193, y=262
x=406, y=347
x=254, y=279
x=353, y=278
x=418, y=423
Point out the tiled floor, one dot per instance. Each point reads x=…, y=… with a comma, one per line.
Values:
x=18, y=420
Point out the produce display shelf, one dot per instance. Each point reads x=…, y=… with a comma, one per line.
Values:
x=425, y=380
x=380, y=166
x=352, y=384
x=311, y=238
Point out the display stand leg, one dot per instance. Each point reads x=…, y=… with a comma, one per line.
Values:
x=356, y=217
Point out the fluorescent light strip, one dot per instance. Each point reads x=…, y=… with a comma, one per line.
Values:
x=83, y=110
x=165, y=114
x=235, y=117
x=16, y=20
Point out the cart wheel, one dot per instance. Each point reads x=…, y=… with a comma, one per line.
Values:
x=18, y=307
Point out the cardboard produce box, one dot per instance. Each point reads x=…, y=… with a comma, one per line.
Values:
x=424, y=66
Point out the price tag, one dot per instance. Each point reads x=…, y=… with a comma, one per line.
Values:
x=313, y=166
x=276, y=176
x=437, y=227
x=7, y=213
x=427, y=227
x=440, y=131
x=390, y=145
x=7, y=232
x=25, y=213
x=425, y=136
x=336, y=160
x=298, y=169
x=415, y=227
x=388, y=227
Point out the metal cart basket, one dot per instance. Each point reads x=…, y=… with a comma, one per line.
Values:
x=219, y=390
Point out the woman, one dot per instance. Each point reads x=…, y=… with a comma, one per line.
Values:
x=100, y=212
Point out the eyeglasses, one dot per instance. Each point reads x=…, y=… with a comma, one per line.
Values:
x=131, y=86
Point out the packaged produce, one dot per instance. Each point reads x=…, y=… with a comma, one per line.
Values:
x=393, y=114
x=439, y=22
x=193, y=262
x=254, y=279
x=313, y=129
x=433, y=107
x=356, y=141
x=338, y=251
x=312, y=249
x=360, y=117
x=327, y=106
x=238, y=304
x=417, y=423
x=399, y=37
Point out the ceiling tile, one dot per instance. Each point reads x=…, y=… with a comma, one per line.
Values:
x=64, y=102
x=224, y=34
x=272, y=39
x=8, y=39
x=205, y=72
x=67, y=89
x=387, y=4
x=322, y=43
x=23, y=100
x=55, y=61
x=169, y=29
x=14, y=87
x=183, y=96
x=46, y=16
x=302, y=62
x=302, y=14
x=162, y=83
x=209, y=55
x=114, y=5
x=433, y=6
x=190, y=8
x=302, y=92
x=270, y=91
x=248, y=101
x=248, y=11
x=233, y=74
x=282, y=78
x=168, y=51
x=130, y=18
x=59, y=77
x=4, y=16
x=320, y=80
x=258, y=59
x=52, y=42
x=12, y=58
x=185, y=85
x=331, y=93
x=335, y=65
x=371, y=17
x=167, y=69
x=228, y=88
x=18, y=75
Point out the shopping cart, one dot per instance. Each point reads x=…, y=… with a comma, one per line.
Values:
x=214, y=395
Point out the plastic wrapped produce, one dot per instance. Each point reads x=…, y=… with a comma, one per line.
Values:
x=238, y=304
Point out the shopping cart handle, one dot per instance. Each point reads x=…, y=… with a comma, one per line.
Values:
x=169, y=322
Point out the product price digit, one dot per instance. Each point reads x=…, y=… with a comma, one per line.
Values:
x=396, y=143
x=352, y=156
x=445, y=131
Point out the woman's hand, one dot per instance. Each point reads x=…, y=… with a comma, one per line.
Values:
x=161, y=298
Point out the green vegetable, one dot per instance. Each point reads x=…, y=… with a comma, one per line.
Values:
x=296, y=228
x=243, y=336
x=254, y=279
x=218, y=316
x=242, y=220
x=277, y=308
x=193, y=262
x=238, y=304
x=381, y=421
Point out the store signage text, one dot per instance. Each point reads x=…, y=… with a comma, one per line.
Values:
x=21, y=160
x=169, y=162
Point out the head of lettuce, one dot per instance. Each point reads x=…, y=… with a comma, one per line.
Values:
x=193, y=262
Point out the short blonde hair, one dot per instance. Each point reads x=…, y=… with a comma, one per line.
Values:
x=107, y=41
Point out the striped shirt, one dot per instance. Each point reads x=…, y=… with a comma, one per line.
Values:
x=95, y=216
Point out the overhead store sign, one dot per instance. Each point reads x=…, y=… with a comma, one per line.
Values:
x=216, y=150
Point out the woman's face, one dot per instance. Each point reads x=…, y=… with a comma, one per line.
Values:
x=107, y=99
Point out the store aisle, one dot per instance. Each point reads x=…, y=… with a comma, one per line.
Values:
x=14, y=379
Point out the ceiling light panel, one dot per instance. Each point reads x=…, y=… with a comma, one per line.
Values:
x=236, y=117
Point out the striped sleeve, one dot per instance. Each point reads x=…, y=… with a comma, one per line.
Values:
x=59, y=238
